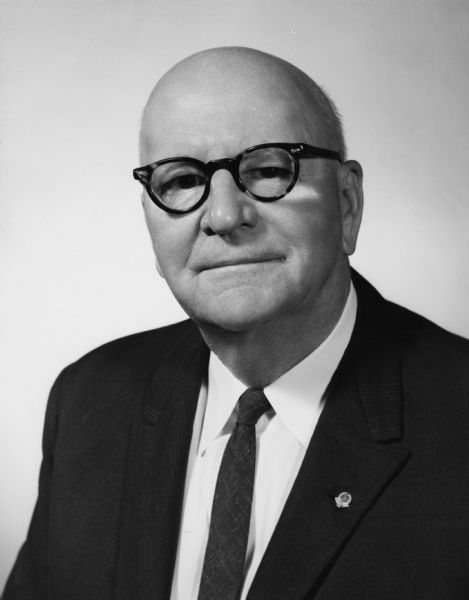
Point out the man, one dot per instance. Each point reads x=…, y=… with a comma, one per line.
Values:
x=342, y=471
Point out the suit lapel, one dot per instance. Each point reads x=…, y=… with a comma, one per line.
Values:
x=363, y=409
x=155, y=474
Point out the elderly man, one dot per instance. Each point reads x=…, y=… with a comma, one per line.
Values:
x=299, y=437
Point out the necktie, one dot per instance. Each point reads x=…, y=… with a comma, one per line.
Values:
x=223, y=569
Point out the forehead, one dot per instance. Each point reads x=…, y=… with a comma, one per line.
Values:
x=209, y=117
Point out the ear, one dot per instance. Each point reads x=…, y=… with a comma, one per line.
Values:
x=158, y=267
x=350, y=178
x=147, y=207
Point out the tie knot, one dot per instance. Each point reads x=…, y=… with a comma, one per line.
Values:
x=252, y=405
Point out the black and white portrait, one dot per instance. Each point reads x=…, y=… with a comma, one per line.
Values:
x=234, y=234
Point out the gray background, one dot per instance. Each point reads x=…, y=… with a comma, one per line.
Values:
x=77, y=267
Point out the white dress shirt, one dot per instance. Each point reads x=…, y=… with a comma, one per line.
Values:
x=283, y=435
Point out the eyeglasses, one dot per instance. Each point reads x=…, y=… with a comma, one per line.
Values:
x=266, y=172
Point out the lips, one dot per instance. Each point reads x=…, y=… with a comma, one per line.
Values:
x=238, y=261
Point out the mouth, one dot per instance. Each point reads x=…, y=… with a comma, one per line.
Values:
x=241, y=262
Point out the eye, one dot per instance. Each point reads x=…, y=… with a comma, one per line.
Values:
x=183, y=182
x=267, y=165
x=266, y=173
x=271, y=173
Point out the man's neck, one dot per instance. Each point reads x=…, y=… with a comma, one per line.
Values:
x=260, y=355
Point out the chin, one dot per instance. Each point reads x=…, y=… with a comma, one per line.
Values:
x=235, y=317
x=232, y=324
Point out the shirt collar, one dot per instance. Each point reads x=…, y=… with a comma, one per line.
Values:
x=296, y=397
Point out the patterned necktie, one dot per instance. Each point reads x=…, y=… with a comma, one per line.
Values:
x=223, y=570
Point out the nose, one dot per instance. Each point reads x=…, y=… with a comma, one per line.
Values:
x=227, y=208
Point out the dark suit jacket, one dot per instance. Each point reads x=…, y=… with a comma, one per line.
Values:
x=394, y=433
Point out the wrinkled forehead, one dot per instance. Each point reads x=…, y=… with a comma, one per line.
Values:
x=225, y=106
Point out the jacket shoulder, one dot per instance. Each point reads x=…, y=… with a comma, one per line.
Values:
x=378, y=315
x=426, y=336
x=144, y=346
x=113, y=373
x=435, y=362
x=430, y=355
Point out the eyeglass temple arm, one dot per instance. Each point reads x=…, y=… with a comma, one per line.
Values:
x=141, y=174
x=307, y=151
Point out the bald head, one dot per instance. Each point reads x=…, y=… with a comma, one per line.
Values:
x=246, y=83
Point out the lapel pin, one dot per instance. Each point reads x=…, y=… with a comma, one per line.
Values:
x=343, y=500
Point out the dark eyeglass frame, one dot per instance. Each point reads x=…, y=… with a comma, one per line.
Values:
x=296, y=151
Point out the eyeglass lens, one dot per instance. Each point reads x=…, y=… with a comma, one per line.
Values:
x=265, y=172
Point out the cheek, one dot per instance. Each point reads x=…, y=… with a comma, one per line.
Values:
x=171, y=260
x=172, y=239
x=315, y=232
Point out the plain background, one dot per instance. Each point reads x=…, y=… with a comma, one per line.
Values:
x=76, y=262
